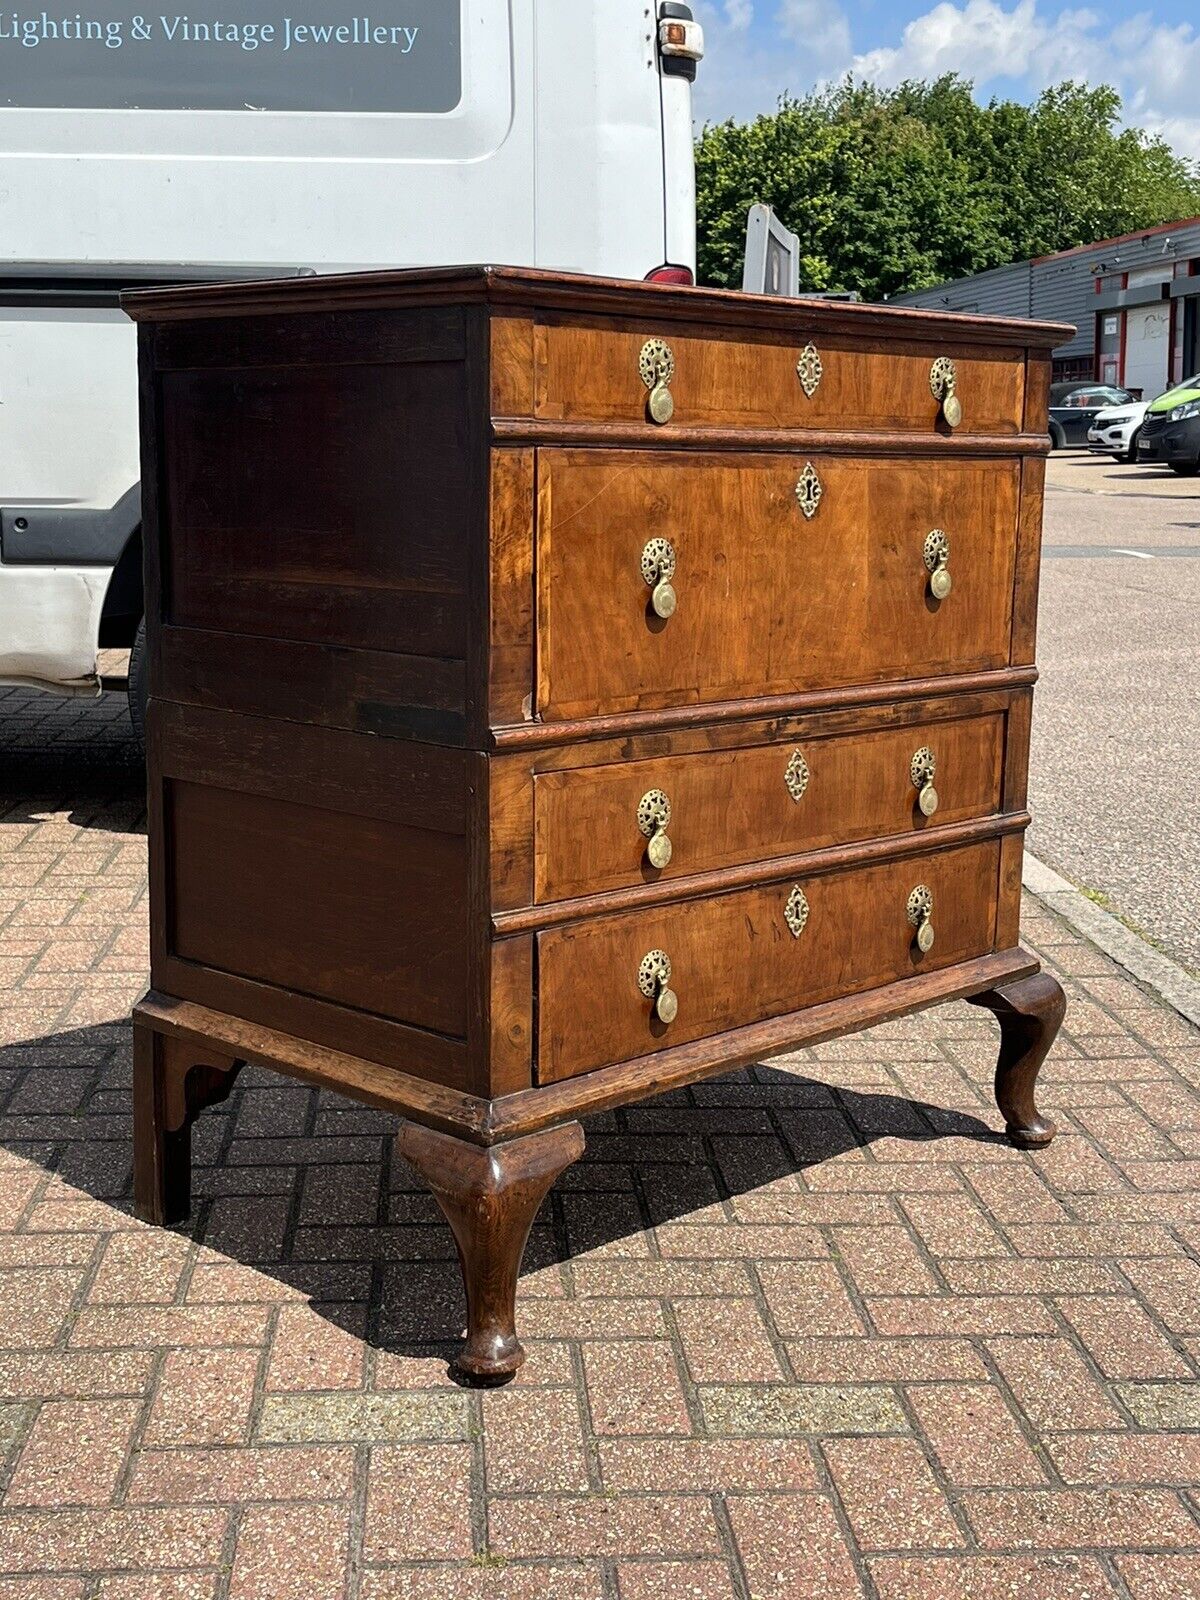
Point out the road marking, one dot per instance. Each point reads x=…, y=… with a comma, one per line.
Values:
x=1106, y=552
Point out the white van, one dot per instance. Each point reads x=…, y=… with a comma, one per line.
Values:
x=154, y=149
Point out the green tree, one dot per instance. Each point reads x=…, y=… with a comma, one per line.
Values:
x=894, y=189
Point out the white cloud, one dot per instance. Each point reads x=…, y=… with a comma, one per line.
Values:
x=822, y=29
x=1156, y=67
x=742, y=75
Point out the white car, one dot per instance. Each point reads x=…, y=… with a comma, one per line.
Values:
x=1114, y=432
x=525, y=132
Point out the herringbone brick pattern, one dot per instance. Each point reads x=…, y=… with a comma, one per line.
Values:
x=810, y=1330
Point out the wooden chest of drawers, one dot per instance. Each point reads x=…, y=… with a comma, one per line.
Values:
x=562, y=690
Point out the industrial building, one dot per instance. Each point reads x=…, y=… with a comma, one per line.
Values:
x=1135, y=303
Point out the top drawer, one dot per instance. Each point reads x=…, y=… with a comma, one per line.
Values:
x=589, y=374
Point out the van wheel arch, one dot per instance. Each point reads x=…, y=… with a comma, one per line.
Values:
x=124, y=602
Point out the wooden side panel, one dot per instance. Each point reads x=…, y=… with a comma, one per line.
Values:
x=510, y=680
x=510, y=1054
x=324, y=866
x=324, y=904
x=365, y=691
x=1008, y=905
x=1016, y=752
x=512, y=364
x=734, y=960
x=586, y=373
x=512, y=832
x=1037, y=394
x=1027, y=578
x=318, y=503
x=734, y=806
x=768, y=601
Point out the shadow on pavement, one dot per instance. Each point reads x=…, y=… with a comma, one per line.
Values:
x=71, y=756
x=305, y=1188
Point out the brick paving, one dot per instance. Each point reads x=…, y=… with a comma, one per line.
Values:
x=808, y=1330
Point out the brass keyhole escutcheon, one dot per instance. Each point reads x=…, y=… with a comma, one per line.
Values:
x=810, y=370
x=796, y=775
x=657, y=367
x=654, y=818
x=920, y=916
x=658, y=569
x=943, y=381
x=809, y=491
x=937, y=563
x=795, y=912
x=923, y=770
x=654, y=980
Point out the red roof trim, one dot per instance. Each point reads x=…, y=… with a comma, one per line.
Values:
x=1123, y=238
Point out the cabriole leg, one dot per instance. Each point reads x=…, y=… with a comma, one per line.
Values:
x=490, y=1198
x=1030, y=1013
x=172, y=1084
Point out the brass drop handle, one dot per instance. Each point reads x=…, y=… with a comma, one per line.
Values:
x=943, y=380
x=657, y=367
x=937, y=563
x=654, y=818
x=922, y=769
x=654, y=980
x=658, y=569
x=920, y=916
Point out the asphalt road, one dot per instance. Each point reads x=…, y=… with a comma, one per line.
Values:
x=1116, y=735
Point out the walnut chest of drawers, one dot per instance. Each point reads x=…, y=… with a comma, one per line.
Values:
x=562, y=690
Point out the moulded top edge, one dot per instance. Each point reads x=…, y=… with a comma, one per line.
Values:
x=524, y=287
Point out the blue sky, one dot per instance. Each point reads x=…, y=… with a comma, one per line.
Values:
x=1150, y=51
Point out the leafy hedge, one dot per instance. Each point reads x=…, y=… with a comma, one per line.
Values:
x=894, y=189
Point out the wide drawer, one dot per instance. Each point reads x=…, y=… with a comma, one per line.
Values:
x=726, y=807
x=591, y=374
x=735, y=959
x=768, y=601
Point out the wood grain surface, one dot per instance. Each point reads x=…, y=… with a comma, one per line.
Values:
x=734, y=959
x=766, y=598
x=408, y=689
x=589, y=373
x=733, y=806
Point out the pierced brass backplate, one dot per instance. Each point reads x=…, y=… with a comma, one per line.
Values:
x=796, y=775
x=920, y=916
x=923, y=767
x=810, y=369
x=795, y=913
x=809, y=491
x=943, y=379
x=657, y=367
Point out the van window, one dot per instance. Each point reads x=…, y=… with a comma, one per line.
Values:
x=305, y=55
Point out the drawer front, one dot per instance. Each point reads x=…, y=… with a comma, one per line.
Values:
x=735, y=960
x=768, y=601
x=727, y=807
x=590, y=374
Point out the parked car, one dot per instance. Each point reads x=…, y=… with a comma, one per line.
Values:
x=1115, y=431
x=1075, y=406
x=1170, y=434
x=524, y=131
